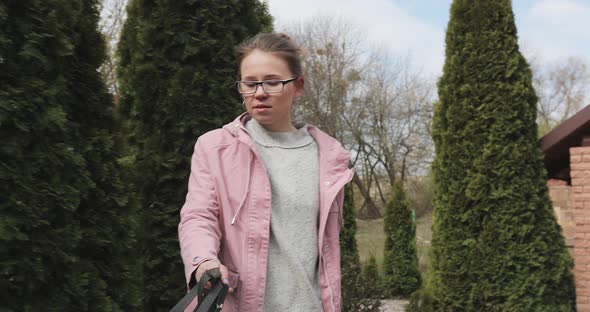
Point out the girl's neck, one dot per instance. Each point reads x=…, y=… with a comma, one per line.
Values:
x=282, y=127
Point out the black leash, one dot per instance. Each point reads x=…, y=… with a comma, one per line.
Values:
x=212, y=301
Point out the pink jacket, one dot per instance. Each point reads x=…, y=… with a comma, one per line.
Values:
x=226, y=216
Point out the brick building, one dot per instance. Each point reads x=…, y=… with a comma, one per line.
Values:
x=567, y=159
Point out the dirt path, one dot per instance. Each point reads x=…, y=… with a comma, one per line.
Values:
x=393, y=305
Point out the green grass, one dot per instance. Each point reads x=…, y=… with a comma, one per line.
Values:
x=371, y=240
x=423, y=239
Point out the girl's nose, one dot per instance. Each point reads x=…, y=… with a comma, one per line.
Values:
x=259, y=91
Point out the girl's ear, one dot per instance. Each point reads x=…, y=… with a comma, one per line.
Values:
x=300, y=83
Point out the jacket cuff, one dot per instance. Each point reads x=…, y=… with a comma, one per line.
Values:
x=196, y=262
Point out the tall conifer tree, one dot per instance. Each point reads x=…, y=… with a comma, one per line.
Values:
x=177, y=68
x=401, y=276
x=372, y=279
x=496, y=243
x=350, y=263
x=65, y=228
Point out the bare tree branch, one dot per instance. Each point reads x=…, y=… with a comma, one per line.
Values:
x=375, y=104
x=563, y=88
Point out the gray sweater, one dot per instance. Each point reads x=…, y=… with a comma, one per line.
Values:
x=292, y=164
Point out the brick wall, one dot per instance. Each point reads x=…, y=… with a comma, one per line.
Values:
x=580, y=173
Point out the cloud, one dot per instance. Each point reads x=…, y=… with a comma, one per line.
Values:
x=565, y=16
x=384, y=23
x=549, y=29
x=557, y=28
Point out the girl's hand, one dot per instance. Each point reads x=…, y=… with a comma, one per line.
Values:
x=208, y=265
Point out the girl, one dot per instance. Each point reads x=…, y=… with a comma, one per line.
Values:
x=264, y=203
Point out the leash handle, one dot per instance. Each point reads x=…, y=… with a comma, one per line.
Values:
x=212, y=301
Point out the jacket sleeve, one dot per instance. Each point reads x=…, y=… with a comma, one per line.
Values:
x=198, y=231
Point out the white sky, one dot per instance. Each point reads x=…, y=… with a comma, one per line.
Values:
x=548, y=29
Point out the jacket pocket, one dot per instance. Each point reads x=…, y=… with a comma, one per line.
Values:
x=234, y=277
x=232, y=300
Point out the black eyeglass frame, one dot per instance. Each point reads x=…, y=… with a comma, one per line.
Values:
x=261, y=84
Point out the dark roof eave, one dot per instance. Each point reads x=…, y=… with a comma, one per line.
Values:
x=566, y=129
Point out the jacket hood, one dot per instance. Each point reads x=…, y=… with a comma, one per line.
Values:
x=329, y=147
x=233, y=127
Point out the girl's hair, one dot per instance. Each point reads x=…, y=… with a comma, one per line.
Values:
x=278, y=43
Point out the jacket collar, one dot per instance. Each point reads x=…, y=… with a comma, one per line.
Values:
x=330, y=148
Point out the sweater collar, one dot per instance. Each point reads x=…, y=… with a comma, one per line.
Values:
x=262, y=136
x=330, y=149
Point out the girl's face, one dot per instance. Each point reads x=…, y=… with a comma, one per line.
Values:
x=273, y=110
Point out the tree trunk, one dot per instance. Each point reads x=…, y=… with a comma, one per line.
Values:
x=368, y=210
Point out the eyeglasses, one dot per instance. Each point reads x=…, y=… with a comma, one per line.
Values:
x=268, y=86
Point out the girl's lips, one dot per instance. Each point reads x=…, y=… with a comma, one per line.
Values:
x=261, y=109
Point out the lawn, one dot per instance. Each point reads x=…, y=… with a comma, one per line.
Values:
x=370, y=240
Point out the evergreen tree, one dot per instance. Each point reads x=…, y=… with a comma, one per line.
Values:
x=350, y=264
x=177, y=72
x=421, y=301
x=353, y=286
x=372, y=279
x=496, y=243
x=65, y=231
x=401, y=276
x=107, y=215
